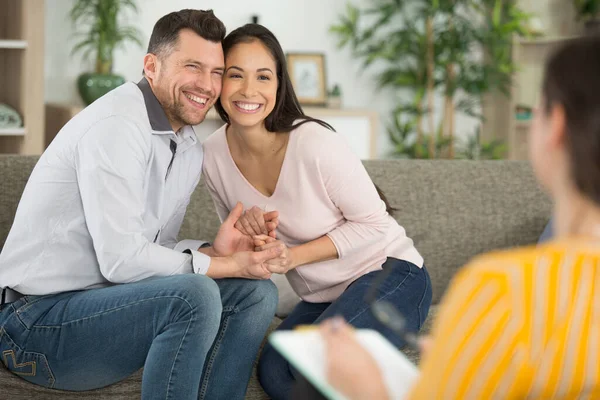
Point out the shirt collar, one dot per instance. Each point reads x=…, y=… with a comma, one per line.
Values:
x=156, y=114
x=160, y=123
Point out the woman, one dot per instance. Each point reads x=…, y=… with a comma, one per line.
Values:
x=336, y=232
x=523, y=323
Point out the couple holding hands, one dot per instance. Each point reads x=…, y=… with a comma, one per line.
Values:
x=93, y=259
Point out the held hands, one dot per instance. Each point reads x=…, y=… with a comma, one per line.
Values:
x=255, y=221
x=281, y=264
x=236, y=251
x=252, y=265
x=230, y=240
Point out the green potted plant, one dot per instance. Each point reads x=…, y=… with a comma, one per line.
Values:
x=589, y=11
x=459, y=50
x=102, y=31
x=474, y=148
x=334, y=98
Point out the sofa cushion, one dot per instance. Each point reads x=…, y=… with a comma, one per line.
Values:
x=455, y=210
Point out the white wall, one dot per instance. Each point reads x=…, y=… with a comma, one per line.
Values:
x=300, y=25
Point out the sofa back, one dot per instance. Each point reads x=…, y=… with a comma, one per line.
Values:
x=454, y=210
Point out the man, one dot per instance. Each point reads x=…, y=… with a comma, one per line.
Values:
x=108, y=289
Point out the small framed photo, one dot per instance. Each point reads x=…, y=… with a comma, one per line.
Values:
x=307, y=72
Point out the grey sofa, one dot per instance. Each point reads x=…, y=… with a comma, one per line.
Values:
x=454, y=210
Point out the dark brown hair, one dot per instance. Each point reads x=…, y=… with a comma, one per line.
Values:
x=572, y=80
x=165, y=33
x=287, y=108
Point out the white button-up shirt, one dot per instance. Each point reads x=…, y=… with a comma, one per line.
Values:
x=106, y=200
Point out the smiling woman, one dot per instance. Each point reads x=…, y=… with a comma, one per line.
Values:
x=251, y=90
x=333, y=226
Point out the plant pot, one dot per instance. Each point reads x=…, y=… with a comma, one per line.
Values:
x=592, y=27
x=92, y=86
x=334, y=102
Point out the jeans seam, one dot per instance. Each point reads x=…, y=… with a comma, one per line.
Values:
x=231, y=309
x=179, y=351
x=387, y=294
x=212, y=357
x=423, y=299
x=63, y=324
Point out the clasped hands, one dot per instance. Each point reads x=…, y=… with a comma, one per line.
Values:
x=249, y=238
x=261, y=227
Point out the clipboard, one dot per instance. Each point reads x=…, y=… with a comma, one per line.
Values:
x=305, y=351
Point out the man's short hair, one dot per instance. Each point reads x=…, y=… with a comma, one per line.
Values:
x=165, y=34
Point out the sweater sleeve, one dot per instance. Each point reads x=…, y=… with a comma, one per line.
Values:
x=351, y=190
x=476, y=351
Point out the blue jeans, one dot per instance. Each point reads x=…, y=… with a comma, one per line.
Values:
x=194, y=336
x=408, y=287
x=547, y=234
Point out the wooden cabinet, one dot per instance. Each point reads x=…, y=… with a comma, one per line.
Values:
x=22, y=73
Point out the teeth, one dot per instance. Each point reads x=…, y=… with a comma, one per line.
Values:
x=248, y=106
x=195, y=98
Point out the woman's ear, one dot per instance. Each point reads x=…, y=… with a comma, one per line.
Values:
x=558, y=126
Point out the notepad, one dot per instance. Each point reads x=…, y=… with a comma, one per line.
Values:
x=305, y=351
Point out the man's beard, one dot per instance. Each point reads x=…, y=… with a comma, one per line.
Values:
x=176, y=111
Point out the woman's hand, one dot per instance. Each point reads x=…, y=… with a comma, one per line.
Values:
x=281, y=264
x=255, y=221
x=349, y=367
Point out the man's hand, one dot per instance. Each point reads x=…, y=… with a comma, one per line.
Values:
x=244, y=264
x=252, y=265
x=255, y=221
x=230, y=240
x=281, y=264
x=349, y=367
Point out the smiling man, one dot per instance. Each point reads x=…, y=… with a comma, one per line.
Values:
x=98, y=284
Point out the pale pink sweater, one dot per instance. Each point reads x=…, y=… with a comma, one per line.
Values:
x=323, y=189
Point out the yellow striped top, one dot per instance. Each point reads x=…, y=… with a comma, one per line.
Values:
x=519, y=324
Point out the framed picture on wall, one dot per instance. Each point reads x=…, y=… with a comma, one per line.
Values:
x=307, y=72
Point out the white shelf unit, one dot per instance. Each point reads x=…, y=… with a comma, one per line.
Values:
x=559, y=21
x=12, y=131
x=13, y=44
x=22, y=73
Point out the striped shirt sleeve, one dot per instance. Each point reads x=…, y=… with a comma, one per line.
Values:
x=475, y=351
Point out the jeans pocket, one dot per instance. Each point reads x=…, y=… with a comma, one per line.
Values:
x=29, y=309
x=31, y=366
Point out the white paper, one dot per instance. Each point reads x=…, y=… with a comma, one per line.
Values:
x=305, y=351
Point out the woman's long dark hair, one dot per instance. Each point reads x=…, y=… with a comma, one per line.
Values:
x=572, y=80
x=287, y=111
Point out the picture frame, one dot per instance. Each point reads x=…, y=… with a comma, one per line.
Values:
x=307, y=73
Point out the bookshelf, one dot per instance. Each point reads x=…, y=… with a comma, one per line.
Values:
x=558, y=20
x=22, y=73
